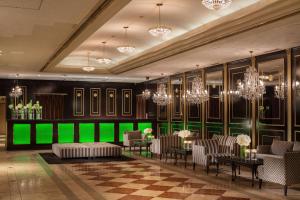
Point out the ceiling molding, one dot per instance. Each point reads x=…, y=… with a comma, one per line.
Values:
x=100, y=16
x=267, y=14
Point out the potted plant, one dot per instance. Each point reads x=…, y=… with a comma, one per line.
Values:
x=38, y=110
x=244, y=141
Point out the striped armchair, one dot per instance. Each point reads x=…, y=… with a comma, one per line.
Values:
x=130, y=137
x=205, y=152
x=161, y=145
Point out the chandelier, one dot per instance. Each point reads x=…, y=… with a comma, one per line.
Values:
x=16, y=91
x=198, y=94
x=88, y=68
x=127, y=49
x=146, y=94
x=279, y=90
x=104, y=60
x=216, y=4
x=161, y=97
x=159, y=30
x=251, y=87
x=230, y=92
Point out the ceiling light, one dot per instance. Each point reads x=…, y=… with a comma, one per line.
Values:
x=159, y=30
x=104, y=60
x=88, y=68
x=126, y=48
x=216, y=4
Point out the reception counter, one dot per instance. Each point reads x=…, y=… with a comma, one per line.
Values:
x=40, y=134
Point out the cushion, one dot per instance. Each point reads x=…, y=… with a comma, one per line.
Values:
x=212, y=146
x=296, y=146
x=221, y=138
x=281, y=147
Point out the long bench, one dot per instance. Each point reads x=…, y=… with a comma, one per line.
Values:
x=86, y=150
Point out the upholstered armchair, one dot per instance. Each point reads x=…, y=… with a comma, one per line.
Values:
x=281, y=164
x=130, y=137
x=161, y=145
x=205, y=152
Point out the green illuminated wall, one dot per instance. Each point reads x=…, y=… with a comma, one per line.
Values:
x=107, y=132
x=44, y=133
x=21, y=133
x=65, y=133
x=123, y=127
x=86, y=132
x=143, y=125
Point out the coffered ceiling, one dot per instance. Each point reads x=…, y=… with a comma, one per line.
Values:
x=50, y=39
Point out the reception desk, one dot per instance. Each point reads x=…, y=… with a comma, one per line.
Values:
x=40, y=134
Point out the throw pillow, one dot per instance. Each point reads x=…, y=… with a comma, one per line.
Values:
x=281, y=147
x=296, y=146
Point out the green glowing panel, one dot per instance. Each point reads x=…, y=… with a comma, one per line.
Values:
x=86, y=132
x=21, y=133
x=65, y=133
x=123, y=127
x=107, y=132
x=44, y=133
x=143, y=125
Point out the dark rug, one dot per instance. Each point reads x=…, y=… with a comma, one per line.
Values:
x=51, y=158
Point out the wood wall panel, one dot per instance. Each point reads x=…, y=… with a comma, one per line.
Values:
x=78, y=102
x=95, y=102
x=127, y=102
x=111, y=102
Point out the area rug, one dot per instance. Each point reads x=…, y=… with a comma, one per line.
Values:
x=51, y=158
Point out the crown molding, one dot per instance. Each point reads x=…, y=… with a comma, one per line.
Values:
x=244, y=20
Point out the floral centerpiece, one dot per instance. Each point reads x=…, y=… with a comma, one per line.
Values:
x=13, y=111
x=184, y=134
x=244, y=141
x=38, y=110
x=30, y=109
x=148, y=133
x=20, y=110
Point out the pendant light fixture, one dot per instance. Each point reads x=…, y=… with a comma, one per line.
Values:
x=103, y=59
x=88, y=68
x=160, y=30
x=126, y=49
x=146, y=94
x=216, y=4
x=161, y=97
x=16, y=91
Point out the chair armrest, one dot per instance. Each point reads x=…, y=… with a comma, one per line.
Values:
x=292, y=163
x=264, y=149
x=199, y=149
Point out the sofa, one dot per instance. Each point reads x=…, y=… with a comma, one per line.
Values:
x=281, y=163
x=160, y=145
x=131, y=137
x=205, y=152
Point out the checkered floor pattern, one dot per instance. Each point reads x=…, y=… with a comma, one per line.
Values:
x=134, y=180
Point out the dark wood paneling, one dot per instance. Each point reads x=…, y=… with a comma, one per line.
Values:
x=127, y=102
x=95, y=102
x=78, y=102
x=111, y=102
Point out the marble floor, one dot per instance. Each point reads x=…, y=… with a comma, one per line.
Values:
x=25, y=175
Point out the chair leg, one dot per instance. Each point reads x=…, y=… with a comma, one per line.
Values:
x=207, y=169
x=129, y=148
x=260, y=183
x=285, y=190
x=160, y=156
x=194, y=166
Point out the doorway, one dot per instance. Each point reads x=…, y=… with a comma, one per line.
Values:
x=2, y=121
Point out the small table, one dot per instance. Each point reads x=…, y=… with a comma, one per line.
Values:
x=179, y=151
x=143, y=143
x=235, y=162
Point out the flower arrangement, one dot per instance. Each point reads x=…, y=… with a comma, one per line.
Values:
x=184, y=133
x=147, y=130
x=11, y=107
x=243, y=140
x=38, y=110
x=148, y=133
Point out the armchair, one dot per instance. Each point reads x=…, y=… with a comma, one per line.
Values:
x=280, y=164
x=130, y=137
x=161, y=145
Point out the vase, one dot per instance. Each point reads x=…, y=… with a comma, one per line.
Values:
x=243, y=152
x=22, y=115
x=38, y=116
x=30, y=115
x=14, y=114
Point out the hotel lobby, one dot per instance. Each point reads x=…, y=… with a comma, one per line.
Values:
x=149, y=99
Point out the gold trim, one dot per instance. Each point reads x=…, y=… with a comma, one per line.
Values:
x=289, y=94
x=98, y=100
x=184, y=101
x=295, y=93
x=114, y=91
x=75, y=92
x=203, y=112
x=253, y=116
x=124, y=92
x=169, y=107
x=225, y=98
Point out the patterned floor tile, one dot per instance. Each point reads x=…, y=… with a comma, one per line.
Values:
x=167, y=183
x=149, y=182
x=134, y=186
x=135, y=197
x=149, y=193
x=202, y=197
x=210, y=191
x=174, y=195
x=158, y=188
x=111, y=184
x=122, y=190
x=183, y=189
x=191, y=185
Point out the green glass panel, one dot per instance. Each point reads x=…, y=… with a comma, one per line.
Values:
x=163, y=128
x=44, y=133
x=143, y=125
x=21, y=133
x=123, y=127
x=177, y=126
x=107, y=132
x=65, y=133
x=86, y=132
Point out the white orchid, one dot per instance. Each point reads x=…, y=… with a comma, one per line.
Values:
x=243, y=140
x=148, y=130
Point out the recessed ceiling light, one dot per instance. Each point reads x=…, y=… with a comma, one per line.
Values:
x=88, y=69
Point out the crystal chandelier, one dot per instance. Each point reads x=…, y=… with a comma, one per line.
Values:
x=279, y=90
x=161, y=97
x=16, y=91
x=159, y=30
x=231, y=92
x=104, y=60
x=216, y=4
x=146, y=94
x=127, y=49
x=251, y=87
x=198, y=94
x=88, y=68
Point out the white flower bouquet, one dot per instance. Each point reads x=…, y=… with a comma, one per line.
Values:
x=148, y=133
x=184, y=133
x=243, y=140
